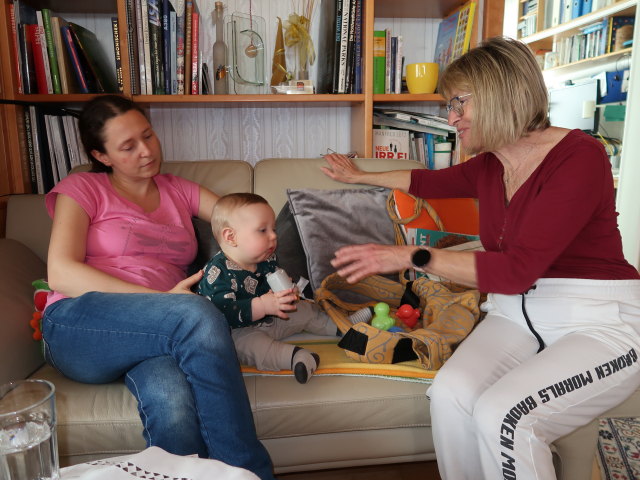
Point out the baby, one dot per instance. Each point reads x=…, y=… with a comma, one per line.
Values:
x=235, y=280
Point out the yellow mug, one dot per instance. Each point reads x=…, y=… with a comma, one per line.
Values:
x=422, y=77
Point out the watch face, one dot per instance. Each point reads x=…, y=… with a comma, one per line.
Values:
x=420, y=258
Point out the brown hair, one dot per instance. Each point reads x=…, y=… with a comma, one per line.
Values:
x=95, y=114
x=226, y=205
x=509, y=94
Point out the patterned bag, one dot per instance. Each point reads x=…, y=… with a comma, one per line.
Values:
x=448, y=311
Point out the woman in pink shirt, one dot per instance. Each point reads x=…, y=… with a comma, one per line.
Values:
x=559, y=344
x=121, y=242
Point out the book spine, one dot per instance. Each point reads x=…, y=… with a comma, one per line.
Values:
x=38, y=58
x=351, y=48
x=141, y=56
x=74, y=59
x=70, y=141
x=155, y=46
x=379, y=53
x=144, y=20
x=28, y=63
x=338, y=37
x=166, y=46
x=392, y=67
x=187, y=46
x=67, y=83
x=387, y=61
x=51, y=51
x=173, y=52
x=180, y=49
x=52, y=149
x=17, y=60
x=45, y=54
x=116, y=53
x=36, y=149
x=30, y=153
x=344, y=42
x=132, y=47
x=357, y=78
x=195, y=33
x=399, y=65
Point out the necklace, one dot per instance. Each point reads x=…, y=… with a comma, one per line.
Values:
x=513, y=179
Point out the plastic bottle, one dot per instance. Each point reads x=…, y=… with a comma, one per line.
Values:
x=219, y=53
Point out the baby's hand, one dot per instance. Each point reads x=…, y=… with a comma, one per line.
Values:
x=279, y=303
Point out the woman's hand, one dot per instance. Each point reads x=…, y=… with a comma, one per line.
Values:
x=356, y=262
x=278, y=303
x=184, y=286
x=342, y=169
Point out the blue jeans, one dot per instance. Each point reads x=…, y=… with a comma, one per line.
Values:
x=178, y=359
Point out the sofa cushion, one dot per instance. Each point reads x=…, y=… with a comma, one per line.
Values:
x=330, y=219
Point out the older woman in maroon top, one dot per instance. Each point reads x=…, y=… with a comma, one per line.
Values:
x=559, y=344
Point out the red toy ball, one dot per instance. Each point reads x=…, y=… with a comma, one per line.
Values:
x=408, y=315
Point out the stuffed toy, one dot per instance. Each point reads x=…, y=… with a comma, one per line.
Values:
x=39, y=300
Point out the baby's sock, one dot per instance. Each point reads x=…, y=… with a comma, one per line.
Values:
x=303, y=364
x=363, y=315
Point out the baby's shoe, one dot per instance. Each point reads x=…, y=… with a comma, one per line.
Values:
x=303, y=364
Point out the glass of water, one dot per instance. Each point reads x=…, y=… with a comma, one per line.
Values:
x=28, y=444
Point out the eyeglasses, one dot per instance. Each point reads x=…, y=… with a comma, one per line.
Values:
x=456, y=104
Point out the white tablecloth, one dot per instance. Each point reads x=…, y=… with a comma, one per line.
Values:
x=155, y=464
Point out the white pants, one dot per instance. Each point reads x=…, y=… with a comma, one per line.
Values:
x=497, y=405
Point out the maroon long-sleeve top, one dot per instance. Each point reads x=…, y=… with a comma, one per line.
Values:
x=561, y=223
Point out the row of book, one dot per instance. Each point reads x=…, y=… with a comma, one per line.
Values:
x=53, y=56
x=412, y=135
x=164, y=50
x=53, y=146
x=388, y=62
x=607, y=36
x=340, y=47
x=556, y=12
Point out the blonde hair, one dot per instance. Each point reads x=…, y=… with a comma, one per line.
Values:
x=509, y=94
x=226, y=206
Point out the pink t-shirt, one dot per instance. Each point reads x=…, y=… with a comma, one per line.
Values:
x=152, y=249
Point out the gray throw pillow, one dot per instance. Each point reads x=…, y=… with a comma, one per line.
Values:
x=207, y=245
x=330, y=219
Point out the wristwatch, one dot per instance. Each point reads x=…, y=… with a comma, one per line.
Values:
x=420, y=258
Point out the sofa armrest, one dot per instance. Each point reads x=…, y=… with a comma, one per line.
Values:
x=19, y=354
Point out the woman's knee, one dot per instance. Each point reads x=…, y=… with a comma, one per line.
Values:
x=198, y=312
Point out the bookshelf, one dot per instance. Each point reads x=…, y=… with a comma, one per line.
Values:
x=359, y=106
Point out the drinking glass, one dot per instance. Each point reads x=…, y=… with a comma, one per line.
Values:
x=28, y=444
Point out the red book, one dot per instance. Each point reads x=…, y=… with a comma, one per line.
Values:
x=14, y=46
x=75, y=60
x=195, y=73
x=39, y=49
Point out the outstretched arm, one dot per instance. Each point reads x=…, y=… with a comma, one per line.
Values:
x=343, y=169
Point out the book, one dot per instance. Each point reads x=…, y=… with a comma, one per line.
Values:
x=391, y=80
x=379, y=60
x=48, y=134
x=387, y=61
x=116, y=53
x=132, y=47
x=15, y=48
x=454, y=35
x=81, y=71
x=338, y=38
x=26, y=36
x=425, y=119
x=188, y=17
x=351, y=48
x=326, y=46
x=166, y=46
x=195, y=45
x=344, y=43
x=96, y=59
x=58, y=141
x=357, y=76
x=390, y=143
x=38, y=47
x=145, y=73
x=397, y=82
x=35, y=142
x=51, y=51
x=73, y=149
x=67, y=78
x=30, y=153
x=179, y=7
x=41, y=45
x=155, y=46
x=173, y=79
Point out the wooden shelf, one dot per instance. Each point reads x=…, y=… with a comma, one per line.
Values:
x=242, y=99
x=408, y=97
x=576, y=67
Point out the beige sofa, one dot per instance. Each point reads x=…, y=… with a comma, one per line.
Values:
x=331, y=422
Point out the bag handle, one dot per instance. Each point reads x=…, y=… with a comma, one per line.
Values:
x=419, y=205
